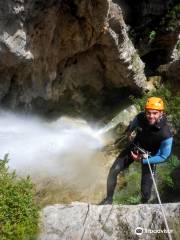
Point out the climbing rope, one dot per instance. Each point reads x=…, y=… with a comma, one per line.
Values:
x=157, y=193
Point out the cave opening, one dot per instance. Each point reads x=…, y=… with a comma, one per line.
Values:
x=154, y=59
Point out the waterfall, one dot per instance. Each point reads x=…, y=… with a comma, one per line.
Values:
x=64, y=157
x=38, y=146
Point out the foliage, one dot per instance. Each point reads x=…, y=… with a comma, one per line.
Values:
x=18, y=211
x=165, y=172
x=129, y=193
x=172, y=18
x=152, y=36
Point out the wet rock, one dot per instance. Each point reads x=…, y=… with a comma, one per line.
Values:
x=121, y=119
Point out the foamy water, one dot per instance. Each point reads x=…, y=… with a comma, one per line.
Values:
x=53, y=148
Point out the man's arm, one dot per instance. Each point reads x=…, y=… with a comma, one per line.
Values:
x=163, y=153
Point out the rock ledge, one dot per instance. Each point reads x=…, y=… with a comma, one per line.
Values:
x=85, y=221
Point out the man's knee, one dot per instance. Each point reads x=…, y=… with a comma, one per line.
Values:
x=114, y=170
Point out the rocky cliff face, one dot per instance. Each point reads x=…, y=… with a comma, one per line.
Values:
x=72, y=56
x=154, y=26
x=58, y=55
x=89, y=222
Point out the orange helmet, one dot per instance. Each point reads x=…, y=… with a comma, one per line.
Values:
x=155, y=103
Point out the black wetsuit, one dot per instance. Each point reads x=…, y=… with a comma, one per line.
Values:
x=148, y=137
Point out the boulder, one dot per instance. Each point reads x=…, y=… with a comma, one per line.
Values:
x=79, y=221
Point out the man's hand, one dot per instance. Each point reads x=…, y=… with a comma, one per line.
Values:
x=136, y=156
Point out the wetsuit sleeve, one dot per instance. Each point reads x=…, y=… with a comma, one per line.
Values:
x=163, y=153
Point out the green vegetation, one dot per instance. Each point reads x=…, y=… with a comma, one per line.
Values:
x=171, y=20
x=152, y=36
x=129, y=193
x=18, y=210
x=165, y=173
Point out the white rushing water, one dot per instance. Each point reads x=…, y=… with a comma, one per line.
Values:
x=36, y=146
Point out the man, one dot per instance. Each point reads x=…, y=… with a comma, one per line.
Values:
x=154, y=136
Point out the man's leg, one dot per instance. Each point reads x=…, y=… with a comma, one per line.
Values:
x=146, y=182
x=122, y=162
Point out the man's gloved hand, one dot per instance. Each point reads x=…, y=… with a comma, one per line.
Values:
x=136, y=156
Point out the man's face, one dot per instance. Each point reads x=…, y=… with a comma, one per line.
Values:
x=153, y=116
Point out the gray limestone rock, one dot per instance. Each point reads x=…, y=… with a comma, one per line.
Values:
x=105, y=222
x=171, y=70
x=57, y=55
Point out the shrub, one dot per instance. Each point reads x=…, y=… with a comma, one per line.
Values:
x=172, y=18
x=129, y=193
x=18, y=210
x=165, y=173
